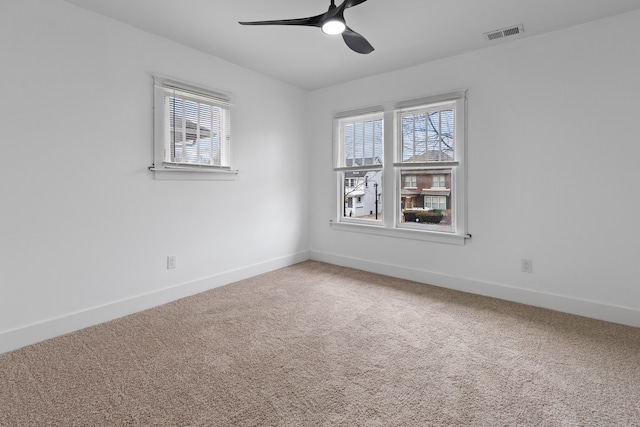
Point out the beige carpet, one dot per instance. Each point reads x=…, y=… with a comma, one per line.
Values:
x=320, y=345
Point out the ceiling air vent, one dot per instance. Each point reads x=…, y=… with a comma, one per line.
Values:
x=505, y=32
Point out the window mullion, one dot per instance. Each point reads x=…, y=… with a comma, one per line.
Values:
x=389, y=178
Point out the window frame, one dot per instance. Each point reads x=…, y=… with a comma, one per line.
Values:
x=392, y=179
x=167, y=170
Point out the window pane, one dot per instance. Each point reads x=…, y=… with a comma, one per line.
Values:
x=362, y=142
x=348, y=144
x=420, y=137
x=204, y=148
x=217, y=135
x=407, y=138
x=198, y=133
x=361, y=190
x=378, y=141
x=428, y=136
x=440, y=136
x=368, y=143
x=428, y=202
x=359, y=143
x=414, y=137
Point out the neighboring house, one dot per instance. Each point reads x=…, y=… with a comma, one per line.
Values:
x=427, y=189
x=361, y=191
x=188, y=144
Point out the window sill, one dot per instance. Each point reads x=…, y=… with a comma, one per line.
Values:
x=427, y=236
x=166, y=174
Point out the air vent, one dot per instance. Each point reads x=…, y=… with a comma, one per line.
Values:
x=505, y=32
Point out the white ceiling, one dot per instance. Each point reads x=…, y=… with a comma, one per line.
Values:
x=403, y=32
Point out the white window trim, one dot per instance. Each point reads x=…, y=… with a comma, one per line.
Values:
x=389, y=226
x=182, y=172
x=401, y=233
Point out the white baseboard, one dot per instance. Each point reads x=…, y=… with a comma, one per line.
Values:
x=50, y=328
x=593, y=309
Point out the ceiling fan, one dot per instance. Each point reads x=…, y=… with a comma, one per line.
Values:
x=331, y=22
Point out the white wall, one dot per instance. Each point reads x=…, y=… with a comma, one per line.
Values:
x=553, y=158
x=85, y=229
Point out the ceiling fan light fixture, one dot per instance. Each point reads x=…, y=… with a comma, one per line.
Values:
x=334, y=27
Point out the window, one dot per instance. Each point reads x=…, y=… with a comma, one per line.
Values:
x=358, y=162
x=435, y=202
x=191, y=130
x=410, y=181
x=426, y=142
x=424, y=168
x=352, y=182
x=438, y=181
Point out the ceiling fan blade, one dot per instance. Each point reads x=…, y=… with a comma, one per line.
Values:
x=356, y=42
x=313, y=21
x=351, y=3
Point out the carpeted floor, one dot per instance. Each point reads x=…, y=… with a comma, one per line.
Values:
x=321, y=345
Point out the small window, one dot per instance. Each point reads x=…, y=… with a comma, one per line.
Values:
x=435, y=202
x=410, y=181
x=438, y=181
x=192, y=129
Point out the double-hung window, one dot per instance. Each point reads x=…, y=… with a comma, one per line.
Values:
x=427, y=148
x=359, y=161
x=191, y=129
x=424, y=178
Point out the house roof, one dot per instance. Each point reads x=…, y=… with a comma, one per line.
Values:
x=408, y=192
x=430, y=156
x=435, y=192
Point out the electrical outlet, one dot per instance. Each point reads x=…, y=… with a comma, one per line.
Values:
x=171, y=262
x=526, y=265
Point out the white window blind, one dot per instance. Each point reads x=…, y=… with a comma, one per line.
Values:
x=196, y=129
x=360, y=141
x=428, y=134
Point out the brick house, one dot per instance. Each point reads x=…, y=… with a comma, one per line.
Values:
x=428, y=189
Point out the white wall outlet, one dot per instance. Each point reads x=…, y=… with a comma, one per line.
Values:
x=171, y=262
x=526, y=265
